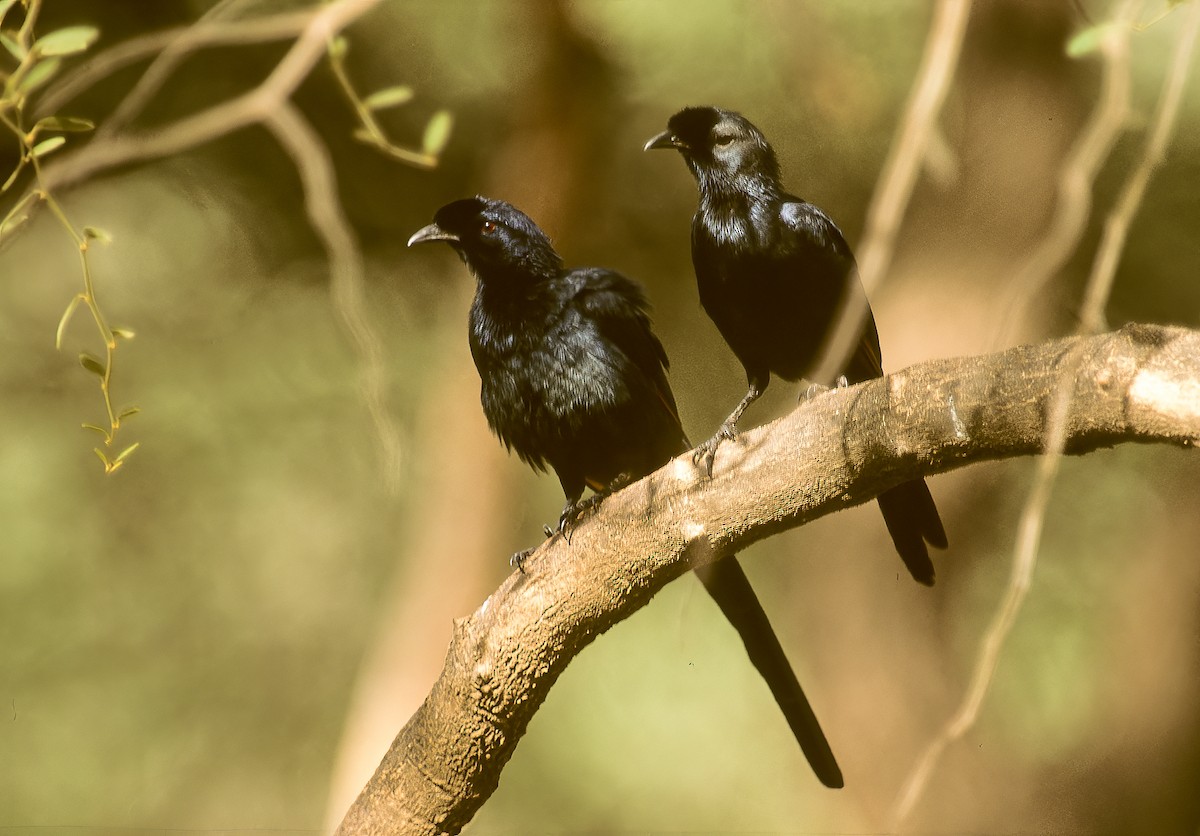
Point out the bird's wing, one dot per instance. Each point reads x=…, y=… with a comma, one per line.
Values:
x=813, y=232
x=814, y=229
x=620, y=311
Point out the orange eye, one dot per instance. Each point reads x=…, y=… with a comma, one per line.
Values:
x=488, y=227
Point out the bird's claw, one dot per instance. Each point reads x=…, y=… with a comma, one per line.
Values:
x=565, y=524
x=815, y=389
x=517, y=561
x=812, y=391
x=573, y=514
x=707, y=452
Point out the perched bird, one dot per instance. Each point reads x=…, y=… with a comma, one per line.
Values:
x=772, y=270
x=573, y=377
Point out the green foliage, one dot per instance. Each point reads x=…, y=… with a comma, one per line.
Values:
x=38, y=59
x=92, y=364
x=388, y=97
x=47, y=145
x=437, y=133
x=69, y=41
x=1089, y=40
x=65, y=123
x=369, y=132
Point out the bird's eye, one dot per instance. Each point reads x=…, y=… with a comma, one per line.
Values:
x=722, y=140
x=487, y=227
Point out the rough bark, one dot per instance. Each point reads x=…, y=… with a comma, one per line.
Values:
x=840, y=449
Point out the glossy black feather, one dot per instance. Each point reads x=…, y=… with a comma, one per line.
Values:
x=772, y=271
x=573, y=377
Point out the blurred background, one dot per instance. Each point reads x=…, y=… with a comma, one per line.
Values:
x=227, y=633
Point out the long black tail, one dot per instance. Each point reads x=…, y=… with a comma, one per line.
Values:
x=912, y=520
x=730, y=588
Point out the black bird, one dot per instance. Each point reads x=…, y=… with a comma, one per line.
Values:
x=772, y=270
x=573, y=377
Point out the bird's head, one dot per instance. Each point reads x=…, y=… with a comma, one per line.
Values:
x=719, y=146
x=494, y=238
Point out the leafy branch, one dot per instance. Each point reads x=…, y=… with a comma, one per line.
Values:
x=316, y=33
x=38, y=59
x=437, y=130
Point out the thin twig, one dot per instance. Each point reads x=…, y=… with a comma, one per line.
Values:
x=1096, y=296
x=1116, y=227
x=1079, y=171
x=267, y=104
x=372, y=133
x=160, y=69
x=13, y=118
x=899, y=176
x=192, y=37
x=346, y=270
x=219, y=120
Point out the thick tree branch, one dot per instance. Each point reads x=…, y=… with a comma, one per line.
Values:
x=841, y=449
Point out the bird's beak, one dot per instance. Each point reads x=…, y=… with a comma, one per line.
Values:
x=433, y=232
x=666, y=139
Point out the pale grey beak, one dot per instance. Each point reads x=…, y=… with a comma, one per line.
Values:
x=433, y=232
x=666, y=139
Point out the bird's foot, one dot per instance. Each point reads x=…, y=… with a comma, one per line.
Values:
x=815, y=389
x=574, y=512
x=812, y=391
x=707, y=451
x=622, y=480
x=517, y=561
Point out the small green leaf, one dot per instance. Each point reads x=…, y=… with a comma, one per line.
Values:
x=65, y=123
x=338, y=47
x=128, y=411
x=5, y=5
x=66, y=317
x=16, y=215
x=123, y=333
x=1089, y=40
x=124, y=454
x=91, y=364
x=12, y=178
x=388, y=97
x=103, y=458
x=42, y=72
x=93, y=427
x=47, y=145
x=437, y=133
x=67, y=41
x=9, y=224
x=12, y=46
x=95, y=233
